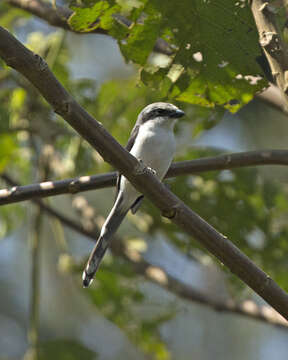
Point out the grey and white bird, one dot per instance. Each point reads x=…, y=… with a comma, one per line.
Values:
x=152, y=141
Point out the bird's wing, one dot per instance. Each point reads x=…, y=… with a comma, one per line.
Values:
x=132, y=137
x=128, y=147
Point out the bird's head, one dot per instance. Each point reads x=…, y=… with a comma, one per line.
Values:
x=163, y=113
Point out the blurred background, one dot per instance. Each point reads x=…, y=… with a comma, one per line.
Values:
x=136, y=307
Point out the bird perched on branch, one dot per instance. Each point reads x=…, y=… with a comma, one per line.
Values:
x=152, y=141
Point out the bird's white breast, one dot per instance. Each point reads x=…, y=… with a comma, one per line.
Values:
x=155, y=146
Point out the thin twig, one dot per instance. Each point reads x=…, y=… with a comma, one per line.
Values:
x=93, y=182
x=34, y=68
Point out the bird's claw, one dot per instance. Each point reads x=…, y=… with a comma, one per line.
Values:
x=151, y=170
x=142, y=168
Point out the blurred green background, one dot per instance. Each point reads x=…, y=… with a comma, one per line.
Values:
x=44, y=312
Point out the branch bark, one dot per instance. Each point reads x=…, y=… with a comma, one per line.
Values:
x=248, y=308
x=157, y=275
x=34, y=68
x=86, y=183
x=272, y=96
x=271, y=41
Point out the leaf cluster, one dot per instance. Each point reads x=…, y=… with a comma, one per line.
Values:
x=213, y=46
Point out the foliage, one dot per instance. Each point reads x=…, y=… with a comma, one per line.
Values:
x=215, y=46
x=117, y=296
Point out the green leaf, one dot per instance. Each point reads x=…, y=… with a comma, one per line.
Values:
x=142, y=37
x=89, y=19
x=216, y=41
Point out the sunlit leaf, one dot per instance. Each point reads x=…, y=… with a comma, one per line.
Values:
x=88, y=19
x=215, y=43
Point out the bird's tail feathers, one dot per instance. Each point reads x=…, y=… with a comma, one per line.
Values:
x=110, y=226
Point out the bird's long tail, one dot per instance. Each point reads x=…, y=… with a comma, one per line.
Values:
x=110, y=226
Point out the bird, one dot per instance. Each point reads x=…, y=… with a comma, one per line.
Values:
x=152, y=142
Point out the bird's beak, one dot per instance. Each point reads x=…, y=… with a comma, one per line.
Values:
x=178, y=113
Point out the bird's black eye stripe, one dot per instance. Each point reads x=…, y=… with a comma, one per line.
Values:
x=157, y=112
x=160, y=112
x=165, y=112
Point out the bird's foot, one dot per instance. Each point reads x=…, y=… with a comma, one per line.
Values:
x=141, y=168
x=151, y=170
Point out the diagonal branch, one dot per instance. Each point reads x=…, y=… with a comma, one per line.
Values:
x=34, y=68
x=86, y=183
x=158, y=276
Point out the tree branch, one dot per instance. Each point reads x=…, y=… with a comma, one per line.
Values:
x=271, y=41
x=36, y=70
x=272, y=97
x=158, y=276
x=93, y=182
